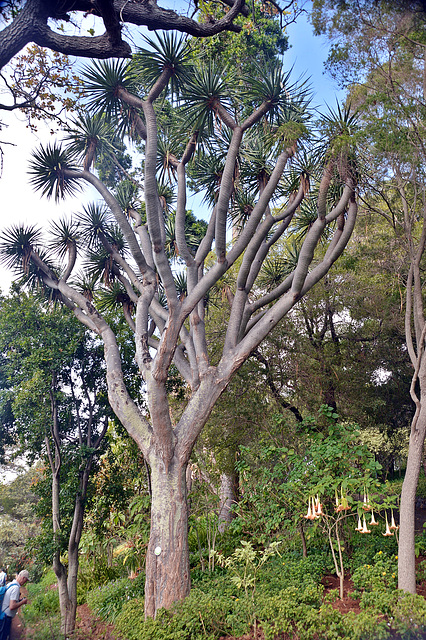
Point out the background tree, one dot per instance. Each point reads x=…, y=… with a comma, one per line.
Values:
x=383, y=50
x=59, y=408
x=17, y=522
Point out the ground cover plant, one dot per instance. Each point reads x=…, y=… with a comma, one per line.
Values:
x=290, y=601
x=281, y=587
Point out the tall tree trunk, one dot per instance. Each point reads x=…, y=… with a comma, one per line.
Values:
x=167, y=560
x=228, y=498
x=72, y=588
x=406, y=549
x=67, y=576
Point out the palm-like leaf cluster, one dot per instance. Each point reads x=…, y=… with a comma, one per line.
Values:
x=16, y=245
x=276, y=269
x=94, y=220
x=102, y=80
x=168, y=52
x=49, y=171
x=64, y=234
x=127, y=195
x=88, y=136
x=208, y=87
x=339, y=129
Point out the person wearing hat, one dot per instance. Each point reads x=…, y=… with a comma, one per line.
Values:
x=12, y=601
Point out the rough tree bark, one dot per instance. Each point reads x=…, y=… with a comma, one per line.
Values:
x=31, y=25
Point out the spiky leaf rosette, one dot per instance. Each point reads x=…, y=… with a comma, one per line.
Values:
x=16, y=246
x=94, y=220
x=49, y=169
x=339, y=130
x=63, y=235
x=113, y=298
x=126, y=194
x=203, y=92
x=103, y=80
x=169, y=51
x=89, y=136
x=276, y=269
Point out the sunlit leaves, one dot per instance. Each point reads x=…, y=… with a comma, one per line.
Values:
x=339, y=128
x=49, y=171
x=271, y=86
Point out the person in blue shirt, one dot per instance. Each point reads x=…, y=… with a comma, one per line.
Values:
x=12, y=601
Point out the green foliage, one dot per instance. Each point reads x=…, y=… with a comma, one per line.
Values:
x=245, y=562
x=278, y=480
x=200, y=616
x=107, y=601
x=43, y=599
x=17, y=501
x=289, y=599
x=47, y=170
x=378, y=577
x=41, y=614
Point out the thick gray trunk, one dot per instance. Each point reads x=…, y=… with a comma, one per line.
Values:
x=167, y=560
x=406, y=550
x=228, y=499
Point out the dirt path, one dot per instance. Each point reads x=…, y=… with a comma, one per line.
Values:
x=17, y=631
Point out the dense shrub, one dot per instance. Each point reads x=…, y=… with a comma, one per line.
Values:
x=202, y=616
x=43, y=598
x=289, y=600
x=108, y=600
x=41, y=614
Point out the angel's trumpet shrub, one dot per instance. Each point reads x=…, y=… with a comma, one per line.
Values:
x=364, y=527
x=388, y=532
x=392, y=525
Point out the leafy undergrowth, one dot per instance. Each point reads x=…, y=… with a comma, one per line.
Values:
x=294, y=600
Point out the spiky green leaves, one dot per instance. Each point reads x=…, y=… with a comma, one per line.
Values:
x=16, y=246
x=207, y=88
x=89, y=136
x=50, y=169
x=168, y=52
x=339, y=128
x=64, y=236
x=277, y=268
x=102, y=81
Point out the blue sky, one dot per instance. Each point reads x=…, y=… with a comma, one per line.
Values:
x=307, y=55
